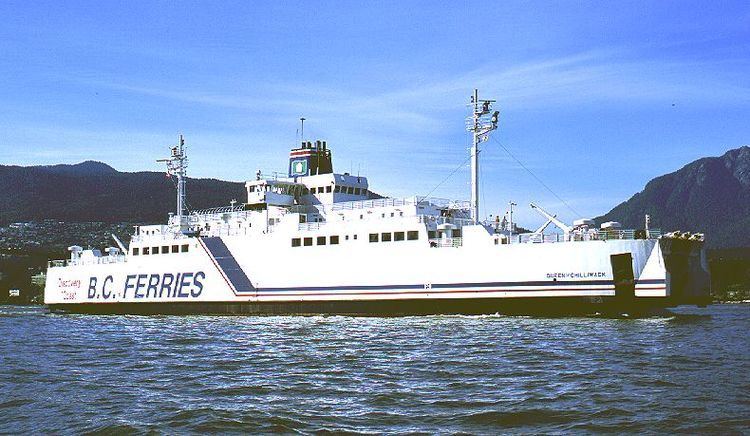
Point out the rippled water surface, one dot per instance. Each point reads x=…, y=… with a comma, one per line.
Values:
x=65, y=373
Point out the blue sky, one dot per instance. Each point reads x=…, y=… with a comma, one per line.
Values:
x=596, y=97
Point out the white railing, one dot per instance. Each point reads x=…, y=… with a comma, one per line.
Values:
x=311, y=226
x=446, y=242
x=96, y=260
x=219, y=210
x=213, y=216
x=593, y=235
x=459, y=222
x=168, y=237
x=383, y=202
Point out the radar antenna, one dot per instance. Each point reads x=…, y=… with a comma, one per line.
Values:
x=480, y=123
x=177, y=167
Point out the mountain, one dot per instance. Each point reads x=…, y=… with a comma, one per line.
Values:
x=94, y=191
x=710, y=195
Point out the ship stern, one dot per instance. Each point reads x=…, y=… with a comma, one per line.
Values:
x=688, y=278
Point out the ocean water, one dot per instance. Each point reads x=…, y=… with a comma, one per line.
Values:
x=686, y=373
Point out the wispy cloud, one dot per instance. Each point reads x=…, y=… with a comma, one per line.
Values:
x=590, y=77
x=420, y=120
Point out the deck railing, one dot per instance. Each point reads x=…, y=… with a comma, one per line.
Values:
x=446, y=242
x=96, y=260
x=592, y=235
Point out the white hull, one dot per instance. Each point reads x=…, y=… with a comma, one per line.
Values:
x=272, y=272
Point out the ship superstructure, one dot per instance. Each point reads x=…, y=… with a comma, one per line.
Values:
x=316, y=241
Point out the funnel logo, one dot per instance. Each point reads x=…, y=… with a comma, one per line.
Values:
x=299, y=167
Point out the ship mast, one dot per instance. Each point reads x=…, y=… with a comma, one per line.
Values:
x=480, y=124
x=177, y=167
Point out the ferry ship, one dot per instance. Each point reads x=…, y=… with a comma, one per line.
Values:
x=320, y=242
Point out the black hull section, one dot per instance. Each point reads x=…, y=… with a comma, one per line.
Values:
x=688, y=277
x=549, y=306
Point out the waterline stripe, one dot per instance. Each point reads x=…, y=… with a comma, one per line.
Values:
x=553, y=284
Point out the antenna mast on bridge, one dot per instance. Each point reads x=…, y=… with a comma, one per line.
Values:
x=480, y=124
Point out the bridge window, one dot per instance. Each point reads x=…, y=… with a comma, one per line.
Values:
x=321, y=240
x=165, y=249
x=308, y=242
x=337, y=189
x=334, y=240
x=328, y=188
x=296, y=242
x=431, y=234
x=135, y=251
x=373, y=237
x=154, y=250
x=185, y=248
x=350, y=190
x=146, y=251
x=356, y=191
x=412, y=235
x=175, y=249
x=398, y=236
x=385, y=237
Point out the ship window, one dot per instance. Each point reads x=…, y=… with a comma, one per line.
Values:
x=496, y=241
x=457, y=233
x=328, y=188
x=334, y=240
x=135, y=251
x=398, y=236
x=296, y=242
x=165, y=249
x=385, y=237
x=412, y=235
x=308, y=242
x=252, y=189
x=373, y=237
x=146, y=251
x=321, y=240
x=355, y=237
x=185, y=248
x=321, y=190
x=154, y=250
x=392, y=214
x=431, y=234
x=175, y=249
x=346, y=237
x=364, y=191
x=361, y=217
x=350, y=190
x=337, y=189
x=356, y=191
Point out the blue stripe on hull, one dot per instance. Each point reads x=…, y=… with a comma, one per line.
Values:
x=480, y=285
x=228, y=264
